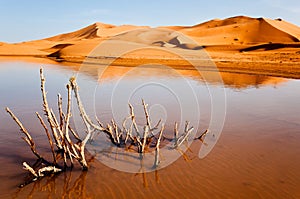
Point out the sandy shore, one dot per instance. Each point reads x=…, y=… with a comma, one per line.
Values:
x=244, y=64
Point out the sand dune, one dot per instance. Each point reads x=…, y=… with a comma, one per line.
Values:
x=227, y=41
x=242, y=30
x=20, y=50
x=96, y=30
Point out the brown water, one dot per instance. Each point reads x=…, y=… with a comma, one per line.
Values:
x=256, y=156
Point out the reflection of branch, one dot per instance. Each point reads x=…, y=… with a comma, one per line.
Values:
x=183, y=154
x=69, y=187
x=145, y=181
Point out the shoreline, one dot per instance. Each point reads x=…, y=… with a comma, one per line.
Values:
x=281, y=68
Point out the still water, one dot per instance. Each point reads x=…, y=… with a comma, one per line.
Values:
x=256, y=155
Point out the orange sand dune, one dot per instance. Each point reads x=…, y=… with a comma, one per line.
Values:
x=239, y=30
x=241, y=43
x=242, y=30
x=96, y=30
x=20, y=50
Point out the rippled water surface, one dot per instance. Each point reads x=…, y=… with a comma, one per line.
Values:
x=256, y=156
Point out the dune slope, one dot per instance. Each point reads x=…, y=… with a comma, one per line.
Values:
x=242, y=30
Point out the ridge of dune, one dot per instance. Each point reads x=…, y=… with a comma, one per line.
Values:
x=242, y=30
x=285, y=26
x=95, y=30
x=224, y=22
x=88, y=32
x=233, y=30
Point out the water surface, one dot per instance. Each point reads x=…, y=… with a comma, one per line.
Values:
x=256, y=156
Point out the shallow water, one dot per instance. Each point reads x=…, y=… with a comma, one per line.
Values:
x=256, y=156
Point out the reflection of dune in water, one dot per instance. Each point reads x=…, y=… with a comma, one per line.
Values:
x=231, y=80
x=241, y=81
x=205, y=71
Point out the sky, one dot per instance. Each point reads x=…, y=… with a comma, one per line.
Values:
x=37, y=19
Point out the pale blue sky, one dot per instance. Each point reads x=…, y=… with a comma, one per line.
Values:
x=36, y=19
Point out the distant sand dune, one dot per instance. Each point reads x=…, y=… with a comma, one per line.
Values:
x=96, y=30
x=242, y=30
x=233, y=43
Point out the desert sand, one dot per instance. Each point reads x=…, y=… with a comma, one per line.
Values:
x=237, y=44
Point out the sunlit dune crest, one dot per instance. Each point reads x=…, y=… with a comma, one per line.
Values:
x=96, y=30
x=243, y=30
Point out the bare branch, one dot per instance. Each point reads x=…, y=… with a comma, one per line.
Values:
x=47, y=110
x=115, y=129
x=176, y=134
x=146, y=114
x=28, y=137
x=185, y=136
x=61, y=116
x=51, y=169
x=146, y=131
x=48, y=135
x=127, y=131
x=30, y=169
x=133, y=120
x=87, y=121
x=201, y=137
x=68, y=115
x=157, y=160
x=156, y=126
x=76, y=136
